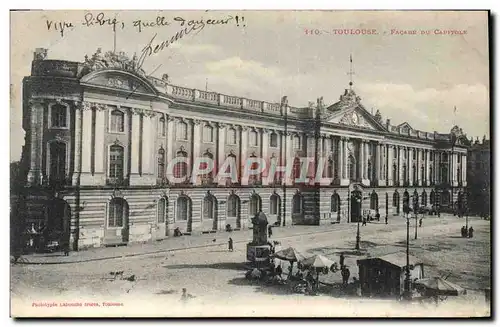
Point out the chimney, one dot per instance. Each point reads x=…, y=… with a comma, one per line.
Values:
x=40, y=54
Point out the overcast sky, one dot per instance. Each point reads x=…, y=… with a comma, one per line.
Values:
x=415, y=78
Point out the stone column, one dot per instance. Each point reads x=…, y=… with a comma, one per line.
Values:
x=100, y=151
x=35, y=174
x=196, y=142
x=170, y=140
x=86, y=144
x=409, y=155
x=464, y=170
x=147, y=144
x=135, y=144
x=345, y=155
x=339, y=164
x=378, y=163
x=361, y=161
x=390, y=154
x=244, y=150
x=78, y=144
x=221, y=156
x=400, y=165
x=264, y=150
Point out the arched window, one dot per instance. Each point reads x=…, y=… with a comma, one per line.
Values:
x=327, y=173
x=275, y=204
x=208, y=134
x=161, y=126
x=182, y=131
x=162, y=210
x=431, y=175
x=422, y=173
x=405, y=175
x=432, y=198
x=116, y=163
x=374, y=201
x=117, y=121
x=57, y=162
x=444, y=174
x=406, y=198
x=296, y=142
x=231, y=136
x=351, y=168
x=58, y=116
x=273, y=140
x=395, y=199
x=209, y=203
x=183, y=208
x=231, y=158
x=424, y=198
x=395, y=175
x=296, y=168
x=181, y=168
x=297, y=205
x=208, y=177
x=446, y=198
x=415, y=200
x=335, y=203
x=414, y=174
x=253, y=138
x=161, y=163
x=117, y=211
x=233, y=206
x=253, y=179
x=254, y=205
x=369, y=169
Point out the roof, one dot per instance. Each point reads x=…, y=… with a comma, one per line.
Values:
x=397, y=259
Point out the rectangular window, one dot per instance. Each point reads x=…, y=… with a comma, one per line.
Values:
x=208, y=134
x=117, y=123
x=273, y=140
x=58, y=116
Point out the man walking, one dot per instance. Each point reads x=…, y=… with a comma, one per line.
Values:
x=230, y=244
x=342, y=258
x=270, y=231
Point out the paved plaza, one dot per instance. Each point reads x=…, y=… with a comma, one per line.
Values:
x=215, y=279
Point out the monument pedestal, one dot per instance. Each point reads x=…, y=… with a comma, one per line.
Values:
x=258, y=255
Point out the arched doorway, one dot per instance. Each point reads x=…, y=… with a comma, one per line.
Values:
x=57, y=225
x=297, y=208
x=395, y=201
x=275, y=208
x=356, y=203
x=415, y=201
x=162, y=218
x=184, y=212
x=254, y=205
x=57, y=163
x=424, y=198
x=432, y=198
x=210, y=210
x=374, y=201
x=233, y=211
x=335, y=206
x=117, y=222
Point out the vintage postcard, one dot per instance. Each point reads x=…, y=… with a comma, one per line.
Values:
x=250, y=164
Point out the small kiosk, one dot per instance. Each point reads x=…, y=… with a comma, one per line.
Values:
x=259, y=250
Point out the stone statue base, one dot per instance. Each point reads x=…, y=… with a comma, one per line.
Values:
x=258, y=255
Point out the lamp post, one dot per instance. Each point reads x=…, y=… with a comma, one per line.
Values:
x=357, y=196
x=386, y=206
x=415, y=210
x=407, y=293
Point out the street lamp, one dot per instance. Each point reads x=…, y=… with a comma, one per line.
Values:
x=406, y=211
x=357, y=197
x=415, y=210
x=386, y=206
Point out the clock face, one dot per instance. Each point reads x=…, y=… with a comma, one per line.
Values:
x=355, y=118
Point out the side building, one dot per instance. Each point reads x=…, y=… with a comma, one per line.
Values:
x=101, y=134
x=478, y=175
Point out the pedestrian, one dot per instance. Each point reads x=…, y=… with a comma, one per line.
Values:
x=464, y=231
x=342, y=258
x=279, y=271
x=439, y=213
x=420, y=223
x=471, y=232
x=230, y=244
x=386, y=218
x=184, y=296
x=270, y=231
x=348, y=274
x=364, y=221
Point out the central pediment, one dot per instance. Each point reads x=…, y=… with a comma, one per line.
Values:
x=120, y=80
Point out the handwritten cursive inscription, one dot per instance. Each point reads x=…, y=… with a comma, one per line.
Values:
x=151, y=48
x=100, y=20
x=159, y=22
x=59, y=26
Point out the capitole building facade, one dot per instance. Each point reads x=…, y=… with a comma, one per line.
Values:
x=100, y=135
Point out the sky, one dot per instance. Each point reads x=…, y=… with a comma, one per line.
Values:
x=264, y=55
